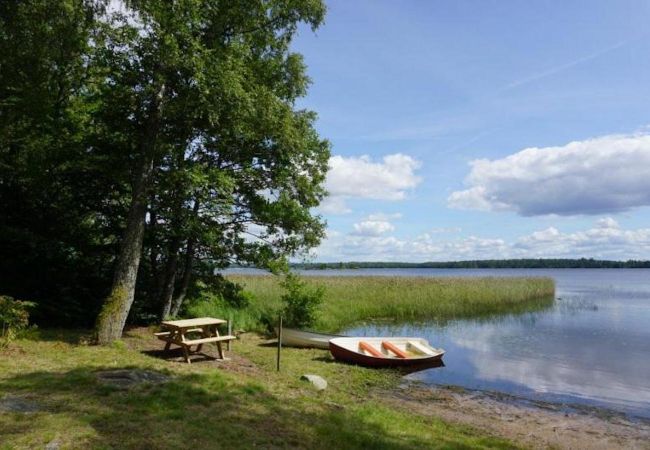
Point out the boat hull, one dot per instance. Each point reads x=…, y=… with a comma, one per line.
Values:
x=343, y=349
x=306, y=339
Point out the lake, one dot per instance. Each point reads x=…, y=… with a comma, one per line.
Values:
x=591, y=348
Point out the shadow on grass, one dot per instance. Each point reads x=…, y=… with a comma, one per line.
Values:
x=210, y=411
x=70, y=336
x=176, y=355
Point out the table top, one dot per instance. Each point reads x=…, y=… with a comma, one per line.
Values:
x=189, y=323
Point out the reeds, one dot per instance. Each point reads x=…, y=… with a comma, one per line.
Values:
x=349, y=300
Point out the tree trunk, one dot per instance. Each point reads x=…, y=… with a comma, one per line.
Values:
x=185, y=282
x=112, y=318
x=154, y=281
x=170, y=279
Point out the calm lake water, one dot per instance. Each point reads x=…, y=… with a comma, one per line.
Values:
x=592, y=347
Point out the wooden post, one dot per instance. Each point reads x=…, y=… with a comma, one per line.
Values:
x=229, y=330
x=279, y=341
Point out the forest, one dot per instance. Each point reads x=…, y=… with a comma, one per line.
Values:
x=144, y=145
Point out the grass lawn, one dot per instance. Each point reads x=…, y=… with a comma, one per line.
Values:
x=242, y=403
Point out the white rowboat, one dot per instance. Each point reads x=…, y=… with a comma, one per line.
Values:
x=300, y=338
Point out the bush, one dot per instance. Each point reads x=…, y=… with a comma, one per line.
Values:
x=231, y=293
x=14, y=317
x=300, y=301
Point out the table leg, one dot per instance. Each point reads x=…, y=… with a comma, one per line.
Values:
x=186, y=354
x=220, y=350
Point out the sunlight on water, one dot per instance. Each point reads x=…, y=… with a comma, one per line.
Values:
x=592, y=347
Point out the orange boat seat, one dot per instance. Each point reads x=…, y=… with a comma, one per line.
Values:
x=393, y=348
x=370, y=349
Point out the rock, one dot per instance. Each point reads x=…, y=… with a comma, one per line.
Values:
x=318, y=382
x=126, y=378
x=14, y=403
x=53, y=445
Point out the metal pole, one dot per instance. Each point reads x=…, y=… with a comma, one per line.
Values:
x=279, y=341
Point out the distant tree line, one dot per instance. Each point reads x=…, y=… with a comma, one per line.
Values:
x=581, y=263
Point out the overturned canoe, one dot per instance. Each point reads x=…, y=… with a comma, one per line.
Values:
x=300, y=338
x=385, y=351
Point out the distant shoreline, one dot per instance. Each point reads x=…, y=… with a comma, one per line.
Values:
x=582, y=263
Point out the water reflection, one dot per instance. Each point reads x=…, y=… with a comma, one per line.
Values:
x=591, y=347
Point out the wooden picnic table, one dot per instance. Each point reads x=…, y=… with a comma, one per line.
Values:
x=176, y=332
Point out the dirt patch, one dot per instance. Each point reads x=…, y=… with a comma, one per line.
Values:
x=18, y=404
x=127, y=378
x=533, y=426
x=143, y=340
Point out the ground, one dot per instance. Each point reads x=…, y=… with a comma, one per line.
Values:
x=244, y=403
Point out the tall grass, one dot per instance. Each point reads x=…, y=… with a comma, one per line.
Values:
x=349, y=300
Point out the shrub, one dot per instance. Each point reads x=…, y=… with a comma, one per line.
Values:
x=301, y=301
x=231, y=293
x=14, y=317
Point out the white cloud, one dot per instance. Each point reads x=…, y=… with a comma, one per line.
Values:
x=605, y=240
x=334, y=205
x=596, y=176
x=373, y=227
x=361, y=177
x=444, y=230
x=383, y=216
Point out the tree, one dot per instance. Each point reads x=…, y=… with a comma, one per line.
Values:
x=198, y=95
x=58, y=213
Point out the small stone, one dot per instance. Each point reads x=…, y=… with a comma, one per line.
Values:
x=53, y=445
x=14, y=403
x=318, y=382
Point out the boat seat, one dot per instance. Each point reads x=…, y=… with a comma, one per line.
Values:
x=421, y=348
x=370, y=349
x=393, y=348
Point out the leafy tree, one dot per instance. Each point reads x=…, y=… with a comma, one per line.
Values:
x=199, y=97
x=58, y=213
x=300, y=301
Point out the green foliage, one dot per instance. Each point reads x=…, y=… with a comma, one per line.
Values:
x=301, y=301
x=234, y=168
x=226, y=291
x=217, y=296
x=14, y=318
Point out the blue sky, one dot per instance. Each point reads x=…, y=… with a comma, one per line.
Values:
x=412, y=93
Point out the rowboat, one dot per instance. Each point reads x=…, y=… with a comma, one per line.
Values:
x=385, y=351
x=300, y=338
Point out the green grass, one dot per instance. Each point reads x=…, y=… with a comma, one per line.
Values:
x=206, y=407
x=349, y=300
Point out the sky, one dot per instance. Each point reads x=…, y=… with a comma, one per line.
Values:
x=483, y=129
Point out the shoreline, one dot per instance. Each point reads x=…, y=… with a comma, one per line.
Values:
x=536, y=425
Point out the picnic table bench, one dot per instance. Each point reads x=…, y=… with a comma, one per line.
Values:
x=176, y=332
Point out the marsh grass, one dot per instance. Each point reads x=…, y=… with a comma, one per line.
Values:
x=350, y=300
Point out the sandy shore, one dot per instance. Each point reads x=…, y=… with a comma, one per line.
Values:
x=535, y=426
